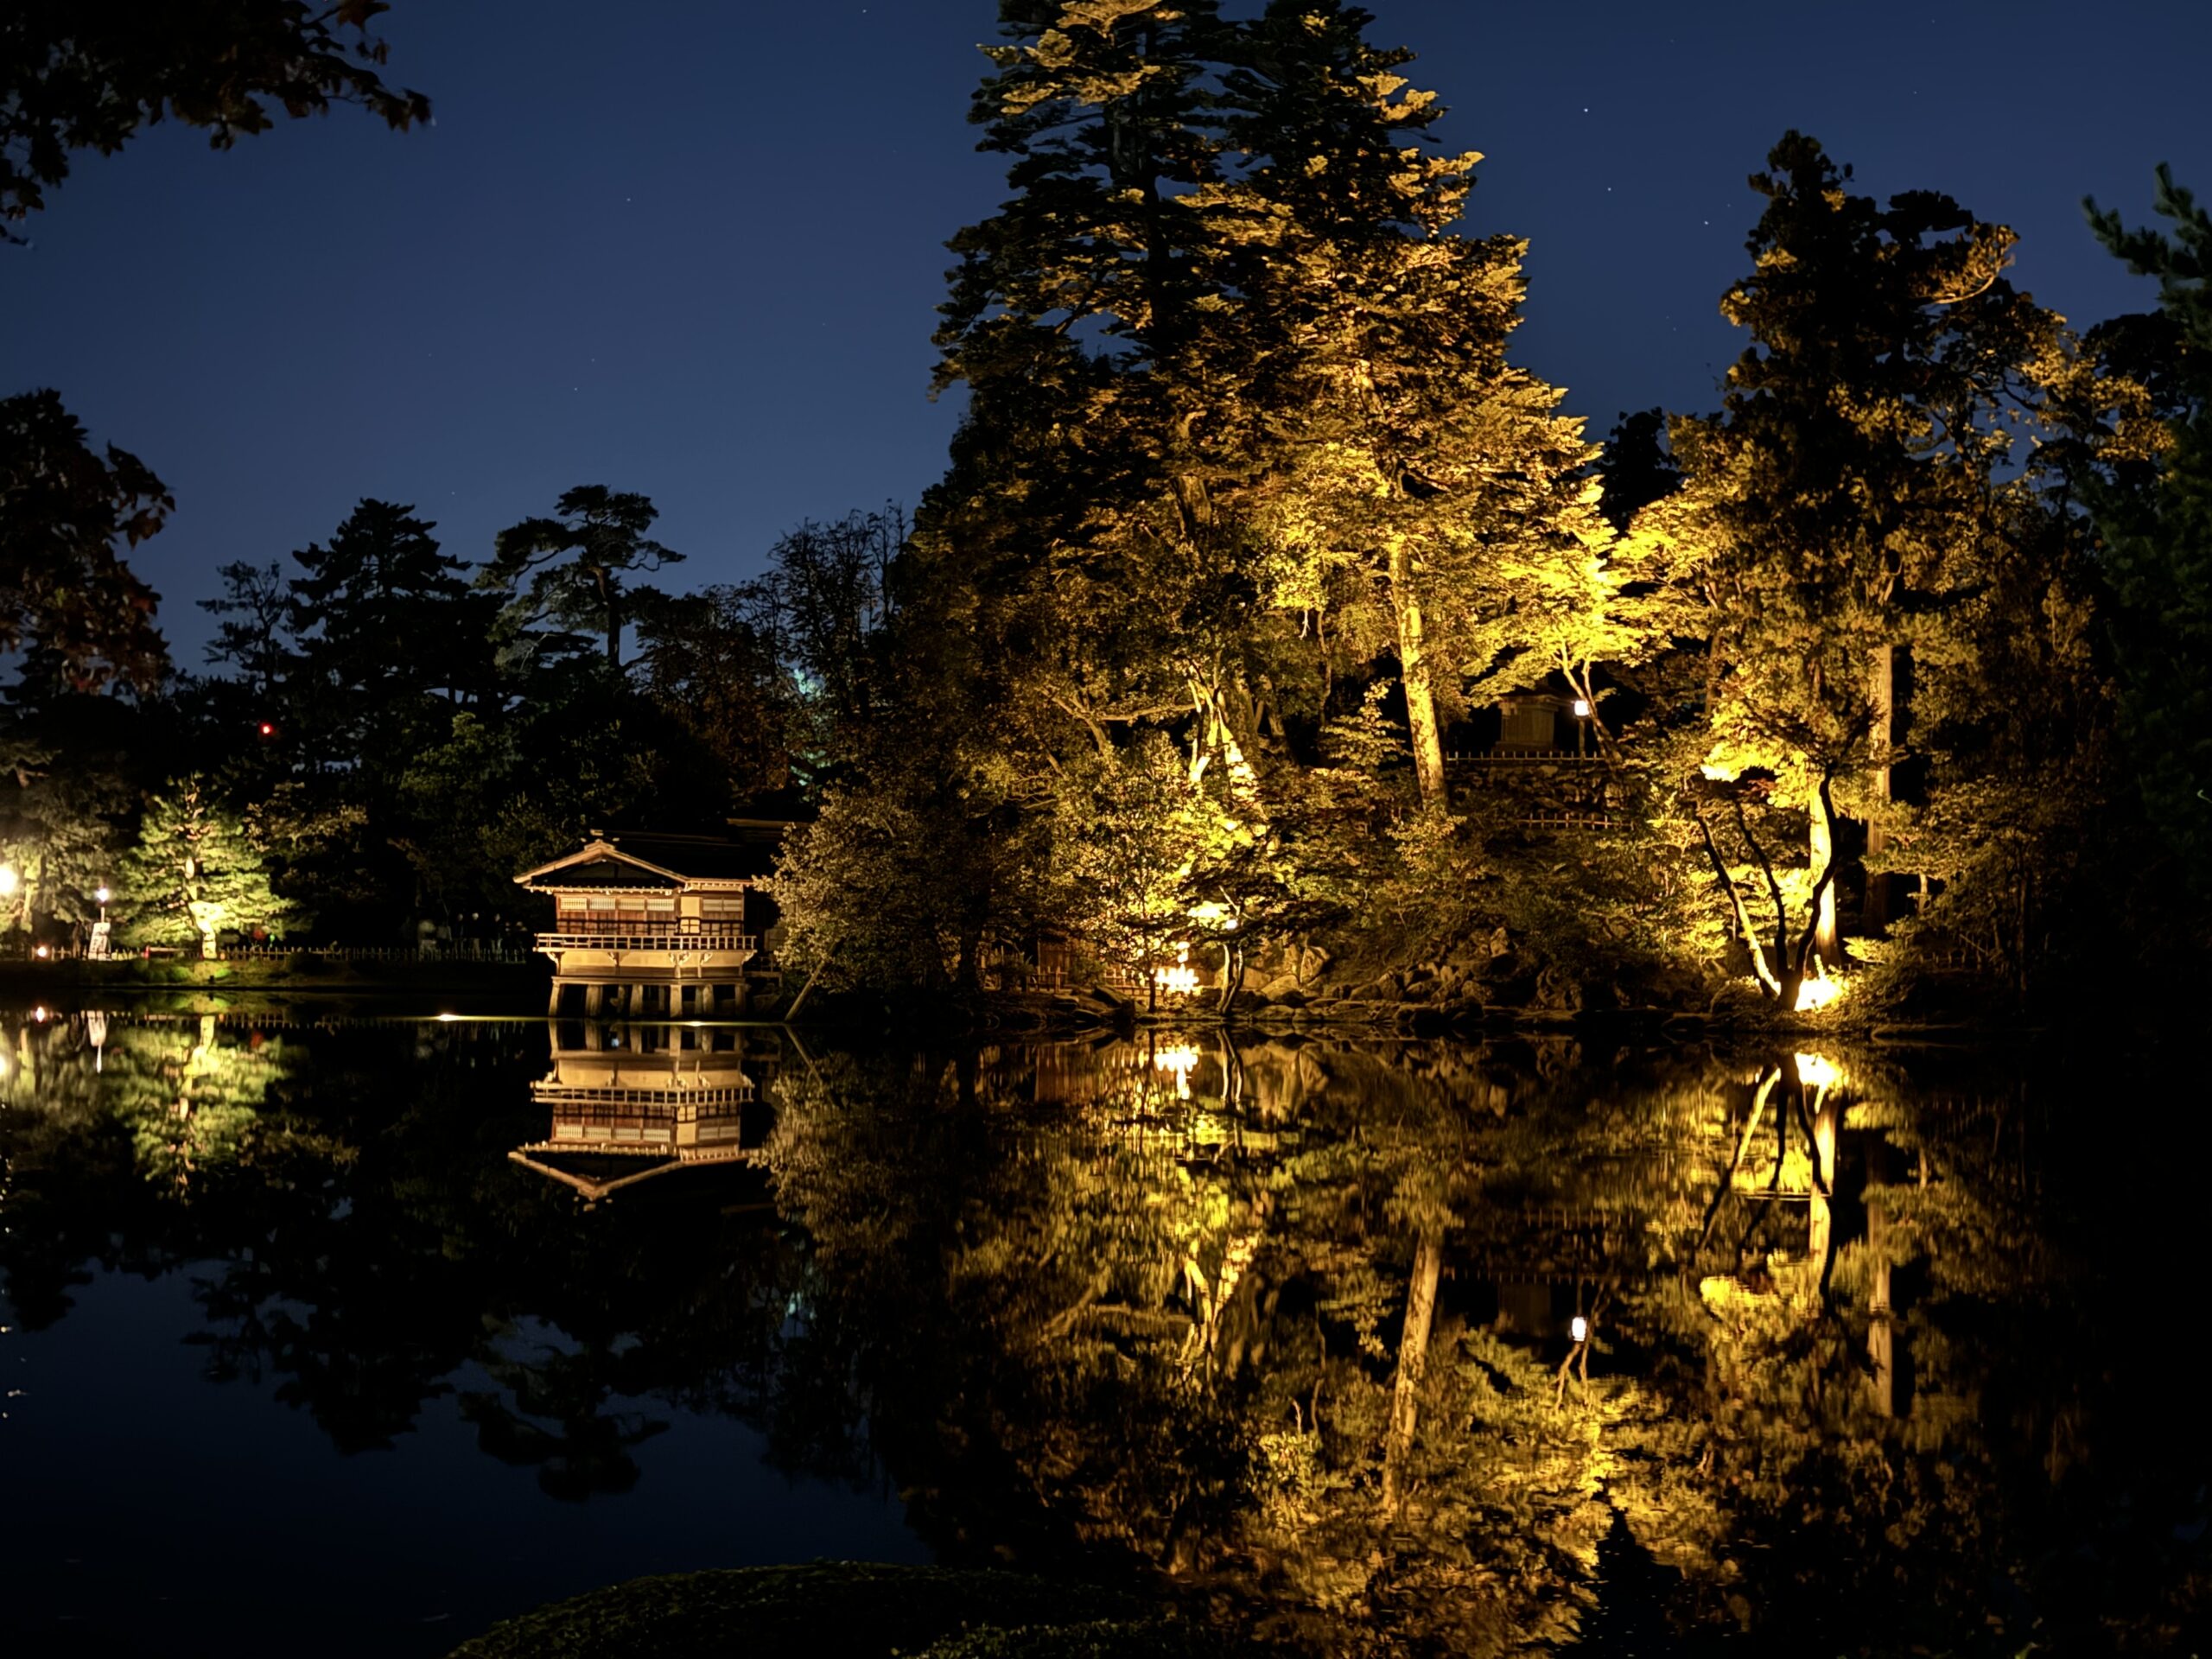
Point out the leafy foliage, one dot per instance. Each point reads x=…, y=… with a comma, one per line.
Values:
x=67, y=602
x=71, y=80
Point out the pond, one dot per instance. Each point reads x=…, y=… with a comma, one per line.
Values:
x=355, y=1335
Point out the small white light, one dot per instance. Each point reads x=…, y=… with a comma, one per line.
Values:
x=100, y=895
x=1582, y=707
x=1580, y=1330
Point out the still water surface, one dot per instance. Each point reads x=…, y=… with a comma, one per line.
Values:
x=355, y=1336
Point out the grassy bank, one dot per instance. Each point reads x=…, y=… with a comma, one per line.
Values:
x=852, y=1609
x=486, y=986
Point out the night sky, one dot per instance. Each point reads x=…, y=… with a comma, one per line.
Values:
x=693, y=248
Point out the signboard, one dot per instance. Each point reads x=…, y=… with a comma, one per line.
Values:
x=96, y=949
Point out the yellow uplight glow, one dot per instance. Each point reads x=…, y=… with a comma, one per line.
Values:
x=1819, y=1071
x=1179, y=1060
x=1177, y=979
x=1817, y=993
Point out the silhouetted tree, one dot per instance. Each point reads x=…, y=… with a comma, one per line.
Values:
x=66, y=598
x=578, y=563
x=75, y=77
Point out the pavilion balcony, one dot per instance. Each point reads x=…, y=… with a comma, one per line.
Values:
x=639, y=937
x=621, y=1103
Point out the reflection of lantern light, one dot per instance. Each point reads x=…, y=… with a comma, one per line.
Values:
x=1819, y=1071
x=1580, y=1330
x=1181, y=1059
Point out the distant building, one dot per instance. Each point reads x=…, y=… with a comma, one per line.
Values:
x=1539, y=722
x=659, y=927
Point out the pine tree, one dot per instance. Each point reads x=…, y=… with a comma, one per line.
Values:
x=1416, y=472
x=194, y=873
x=2156, y=533
x=1847, y=497
x=386, y=627
x=579, y=563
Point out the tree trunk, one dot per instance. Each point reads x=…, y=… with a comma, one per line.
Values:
x=1413, y=1368
x=1881, y=899
x=1413, y=673
x=1828, y=939
x=1825, y=1119
x=1881, y=1329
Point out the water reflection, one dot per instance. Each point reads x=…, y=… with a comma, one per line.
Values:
x=628, y=1102
x=1419, y=1347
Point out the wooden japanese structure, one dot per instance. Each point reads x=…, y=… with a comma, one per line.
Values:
x=658, y=926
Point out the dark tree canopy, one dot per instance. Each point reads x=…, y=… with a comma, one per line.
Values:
x=66, y=595
x=576, y=563
x=79, y=76
x=2158, y=540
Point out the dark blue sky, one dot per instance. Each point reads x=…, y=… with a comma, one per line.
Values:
x=691, y=247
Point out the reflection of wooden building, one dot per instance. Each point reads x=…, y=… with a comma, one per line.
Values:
x=654, y=926
x=627, y=1101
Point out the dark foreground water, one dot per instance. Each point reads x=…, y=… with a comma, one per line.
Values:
x=1885, y=1353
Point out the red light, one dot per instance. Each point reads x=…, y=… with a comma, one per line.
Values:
x=268, y=730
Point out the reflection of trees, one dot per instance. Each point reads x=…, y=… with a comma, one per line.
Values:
x=1202, y=1352
x=586, y=1450
x=1268, y=1323
x=343, y=1204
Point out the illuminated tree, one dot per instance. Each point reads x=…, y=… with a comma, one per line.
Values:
x=193, y=874
x=1415, y=472
x=1841, y=503
x=58, y=818
x=1135, y=827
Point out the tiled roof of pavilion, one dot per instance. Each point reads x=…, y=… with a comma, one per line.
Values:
x=640, y=859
